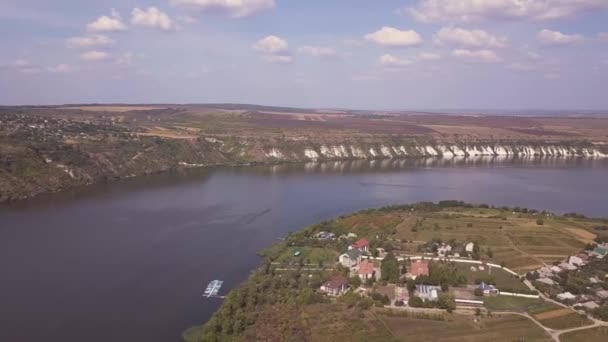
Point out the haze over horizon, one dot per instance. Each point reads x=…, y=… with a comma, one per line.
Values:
x=359, y=54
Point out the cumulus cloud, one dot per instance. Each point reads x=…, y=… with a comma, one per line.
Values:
x=392, y=37
x=272, y=45
x=152, y=17
x=233, y=8
x=468, y=38
x=488, y=56
x=88, y=41
x=274, y=49
x=390, y=61
x=24, y=66
x=113, y=23
x=474, y=10
x=428, y=56
x=556, y=38
x=94, y=55
x=317, y=51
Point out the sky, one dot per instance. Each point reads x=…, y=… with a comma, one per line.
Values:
x=364, y=54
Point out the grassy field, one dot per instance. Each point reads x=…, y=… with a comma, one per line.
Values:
x=599, y=334
x=519, y=304
x=462, y=328
x=559, y=318
x=502, y=278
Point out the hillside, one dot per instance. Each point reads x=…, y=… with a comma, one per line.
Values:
x=47, y=149
x=286, y=298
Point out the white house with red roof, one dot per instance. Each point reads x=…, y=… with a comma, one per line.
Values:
x=362, y=245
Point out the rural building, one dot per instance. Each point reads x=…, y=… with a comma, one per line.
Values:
x=419, y=268
x=565, y=296
x=335, y=286
x=567, y=266
x=545, y=272
x=366, y=270
x=362, y=245
x=599, y=251
x=547, y=281
x=469, y=247
x=576, y=261
x=351, y=258
x=602, y=293
x=488, y=290
x=428, y=292
x=588, y=305
x=555, y=269
x=444, y=250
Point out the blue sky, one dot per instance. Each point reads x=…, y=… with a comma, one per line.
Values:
x=422, y=54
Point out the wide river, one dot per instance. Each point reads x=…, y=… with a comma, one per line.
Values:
x=129, y=261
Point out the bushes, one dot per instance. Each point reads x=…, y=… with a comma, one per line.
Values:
x=540, y=221
x=415, y=302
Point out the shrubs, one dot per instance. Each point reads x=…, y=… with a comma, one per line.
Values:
x=540, y=221
x=415, y=302
x=478, y=292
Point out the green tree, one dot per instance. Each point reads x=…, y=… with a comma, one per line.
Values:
x=415, y=302
x=390, y=268
x=354, y=282
x=540, y=221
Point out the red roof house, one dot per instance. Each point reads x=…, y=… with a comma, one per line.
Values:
x=419, y=268
x=335, y=286
x=366, y=270
x=362, y=245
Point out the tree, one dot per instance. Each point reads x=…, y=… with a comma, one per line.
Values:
x=446, y=301
x=354, y=282
x=477, y=312
x=478, y=292
x=399, y=303
x=476, y=251
x=540, y=221
x=490, y=253
x=415, y=302
x=390, y=268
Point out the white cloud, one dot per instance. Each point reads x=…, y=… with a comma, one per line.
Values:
x=392, y=37
x=272, y=45
x=476, y=55
x=278, y=59
x=113, y=23
x=468, y=38
x=21, y=63
x=152, y=17
x=555, y=38
x=474, y=10
x=61, y=68
x=94, y=55
x=233, y=8
x=390, y=61
x=317, y=51
x=88, y=41
x=428, y=56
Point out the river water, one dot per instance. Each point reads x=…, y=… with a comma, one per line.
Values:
x=128, y=261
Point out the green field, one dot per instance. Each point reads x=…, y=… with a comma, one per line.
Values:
x=519, y=304
x=309, y=255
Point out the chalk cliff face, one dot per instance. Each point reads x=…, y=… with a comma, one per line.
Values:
x=384, y=151
x=46, y=166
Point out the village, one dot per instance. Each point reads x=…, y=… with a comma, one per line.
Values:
x=412, y=284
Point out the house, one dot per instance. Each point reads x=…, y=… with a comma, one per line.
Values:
x=469, y=247
x=599, y=251
x=567, y=266
x=351, y=236
x=419, y=268
x=584, y=257
x=335, y=286
x=488, y=290
x=326, y=236
x=602, y=294
x=444, y=250
x=351, y=258
x=366, y=270
x=547, y=281
x=555, y=269
x=362, y=245
x=594, y=280
x=575, y=260
x=428, y=292
x=588, y=305
x=545, y=272
x=565, y=296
